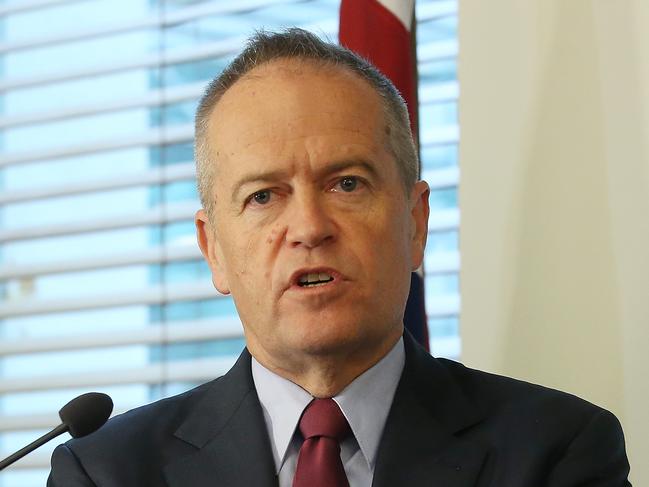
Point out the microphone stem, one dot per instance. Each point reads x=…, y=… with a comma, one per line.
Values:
x=60, y=429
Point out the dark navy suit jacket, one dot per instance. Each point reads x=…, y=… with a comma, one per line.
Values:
x=449, y=426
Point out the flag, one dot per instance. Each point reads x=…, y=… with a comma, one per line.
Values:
x=383, y=31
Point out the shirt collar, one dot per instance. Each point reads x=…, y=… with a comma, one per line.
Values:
x=282, y=402
x=365, y=403
x=367, y=400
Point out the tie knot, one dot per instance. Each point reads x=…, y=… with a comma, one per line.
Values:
x=323, y=417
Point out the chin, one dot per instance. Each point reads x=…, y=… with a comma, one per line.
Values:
x=334, y=338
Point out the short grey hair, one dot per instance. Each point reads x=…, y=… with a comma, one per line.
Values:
x=264, y=47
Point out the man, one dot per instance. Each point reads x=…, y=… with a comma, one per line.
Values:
x=313, y=220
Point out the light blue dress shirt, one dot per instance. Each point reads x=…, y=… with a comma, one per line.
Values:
x=365, y=403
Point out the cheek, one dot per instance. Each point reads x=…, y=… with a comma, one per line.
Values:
x=268, y=251
x=238, y=252
x=273, y=236
x=391, y=224
x=393, y=243
x=254, y=253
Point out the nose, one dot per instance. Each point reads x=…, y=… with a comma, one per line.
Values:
x=310, y=223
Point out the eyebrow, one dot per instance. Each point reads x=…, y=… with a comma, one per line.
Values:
x=266, y=176
x=270, y=176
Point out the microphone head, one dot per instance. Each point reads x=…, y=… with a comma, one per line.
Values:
x=86, y=413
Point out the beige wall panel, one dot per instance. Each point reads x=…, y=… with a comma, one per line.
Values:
x=555, y=199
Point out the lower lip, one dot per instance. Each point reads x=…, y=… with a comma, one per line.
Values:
x=330, y=287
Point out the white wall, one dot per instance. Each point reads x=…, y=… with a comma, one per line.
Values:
x=554, y=199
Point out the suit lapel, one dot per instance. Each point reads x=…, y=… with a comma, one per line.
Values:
x=419, y=446
x=228, y=430
x=421, y=443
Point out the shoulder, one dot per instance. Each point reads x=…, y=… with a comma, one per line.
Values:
x=142, y=428
x=495, y=402
x=524, y=406
x=131, y=448
x=547, y=433
x=499, y=391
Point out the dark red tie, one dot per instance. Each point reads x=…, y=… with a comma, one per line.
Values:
x=323, y=427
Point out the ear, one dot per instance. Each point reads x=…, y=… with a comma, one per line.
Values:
x=211, y=250
x=419, y=211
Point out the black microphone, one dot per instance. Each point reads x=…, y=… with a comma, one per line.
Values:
x=80, y=417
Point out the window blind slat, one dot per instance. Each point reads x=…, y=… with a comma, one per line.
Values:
x=154, y=216
x=198, y=370
x=158, y=58
x=157, y=136
x=17, y=6
x=146, y=296
x=153, y=98
x=154, y=20
x=439, y=92
x=152, y=255
x=436, y=10
x=156, y=175
x=153, y=334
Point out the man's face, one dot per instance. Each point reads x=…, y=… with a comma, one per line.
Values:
x=312, y=230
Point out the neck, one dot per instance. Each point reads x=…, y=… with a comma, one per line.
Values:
x=325, y=375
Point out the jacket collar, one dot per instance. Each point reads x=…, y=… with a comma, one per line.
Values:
x=228, y=430
x=421, y=443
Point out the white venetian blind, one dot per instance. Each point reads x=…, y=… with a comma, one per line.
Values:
x=101, y=283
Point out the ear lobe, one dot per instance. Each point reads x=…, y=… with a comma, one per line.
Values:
x=211, y=250
x=419, y=212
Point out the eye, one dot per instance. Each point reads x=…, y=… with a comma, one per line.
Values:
x=261, y=197
x=348, y=184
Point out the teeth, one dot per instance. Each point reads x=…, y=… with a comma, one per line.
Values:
x=314, y=277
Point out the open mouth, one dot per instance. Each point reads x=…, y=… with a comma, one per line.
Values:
x=314, y=279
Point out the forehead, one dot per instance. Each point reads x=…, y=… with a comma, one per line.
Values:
x=291, y=98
